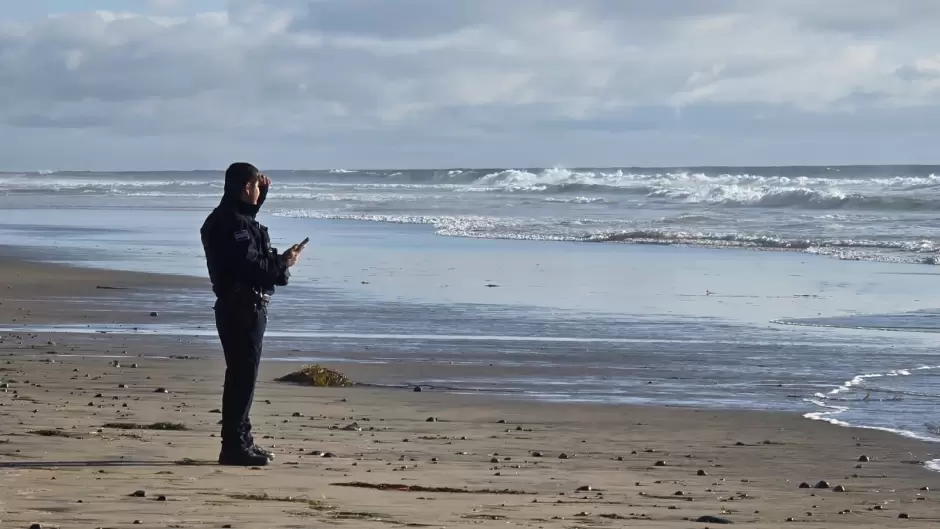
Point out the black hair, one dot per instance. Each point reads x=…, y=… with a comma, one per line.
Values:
x=237, y=175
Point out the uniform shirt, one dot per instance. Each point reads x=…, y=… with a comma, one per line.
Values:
x=238, y=249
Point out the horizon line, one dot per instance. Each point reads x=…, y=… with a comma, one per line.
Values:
x=477, y=168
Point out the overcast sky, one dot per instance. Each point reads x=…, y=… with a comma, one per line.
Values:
x=179, y=84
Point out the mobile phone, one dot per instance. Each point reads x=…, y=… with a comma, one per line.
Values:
x=303, y=243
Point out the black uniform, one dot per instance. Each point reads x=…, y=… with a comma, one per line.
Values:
x=244, y=270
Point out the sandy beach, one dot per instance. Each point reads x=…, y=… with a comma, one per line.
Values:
x=76, y=448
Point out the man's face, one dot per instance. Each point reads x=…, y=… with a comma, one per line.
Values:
x=252, y=191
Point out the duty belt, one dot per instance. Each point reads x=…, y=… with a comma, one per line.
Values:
x=252, y=294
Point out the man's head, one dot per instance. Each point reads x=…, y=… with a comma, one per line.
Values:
x=243, y=180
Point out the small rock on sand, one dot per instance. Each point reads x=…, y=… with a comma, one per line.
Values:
x=138, y=494
x=822, y=485
x=863, y=459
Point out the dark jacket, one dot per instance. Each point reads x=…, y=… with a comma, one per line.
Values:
x=237, y=247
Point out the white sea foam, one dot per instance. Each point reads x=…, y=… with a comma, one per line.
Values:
x=833, y=404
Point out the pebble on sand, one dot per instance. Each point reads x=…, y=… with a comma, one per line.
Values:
x=863, y=459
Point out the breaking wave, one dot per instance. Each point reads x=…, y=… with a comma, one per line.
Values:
x=493, y=227
x=825, y=190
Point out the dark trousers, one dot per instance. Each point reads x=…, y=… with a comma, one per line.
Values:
x=241, y=324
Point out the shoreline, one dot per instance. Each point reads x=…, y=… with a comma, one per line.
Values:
x=39, y=293
x=66, y=459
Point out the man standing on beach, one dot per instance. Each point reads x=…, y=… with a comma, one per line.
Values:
x=244, y=270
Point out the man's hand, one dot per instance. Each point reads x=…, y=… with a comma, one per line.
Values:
x=264, y=181
x=291, y=255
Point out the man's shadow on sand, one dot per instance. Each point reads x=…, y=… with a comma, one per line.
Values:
x=106, y=463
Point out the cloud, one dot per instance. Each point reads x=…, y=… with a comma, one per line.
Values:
x=482, y=80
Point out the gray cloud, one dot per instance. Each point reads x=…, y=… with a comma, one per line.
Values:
x=370, y=81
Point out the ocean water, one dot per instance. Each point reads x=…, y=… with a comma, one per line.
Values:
x=806, y=289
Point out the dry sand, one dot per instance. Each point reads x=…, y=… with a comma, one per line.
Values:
x=65, y=462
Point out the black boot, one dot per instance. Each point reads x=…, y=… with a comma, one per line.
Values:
x=255, y=449
x=242, y=458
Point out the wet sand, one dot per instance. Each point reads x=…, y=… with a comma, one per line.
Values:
x=73, y=453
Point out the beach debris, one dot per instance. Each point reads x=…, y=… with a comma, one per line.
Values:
x=703, y=473
x=417, y=389
x=863, y=459
x=352, y=427
x=822, y=485
x=904, y=516
x=161, y=498
x=55, y=433
x=154, y=314
x=713, y=519
x=431, y=419
x=138, y=494
x=537, y=454
x=804, y=485
x=174, y=426
x=838, y=488
x=317, y=376
x=925, y=488
x=586, y=488
x=160, y=390
x=659, y=464
x=35, y=526
x=420, y=488
x=562, y=456
x=266, y=497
